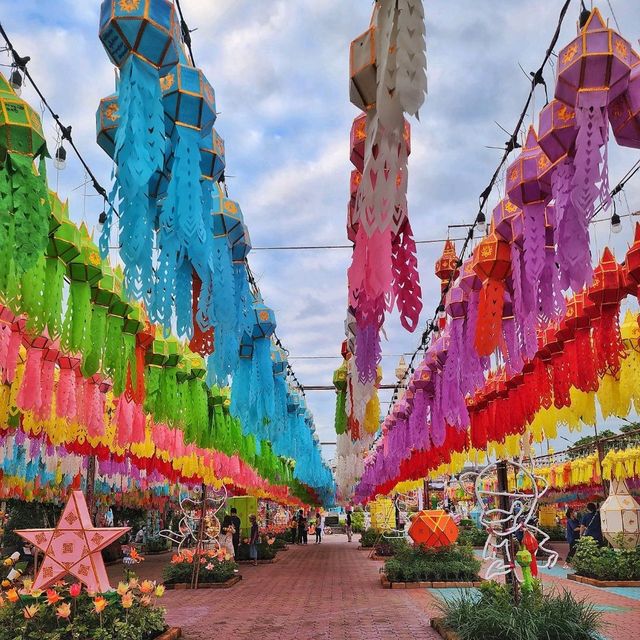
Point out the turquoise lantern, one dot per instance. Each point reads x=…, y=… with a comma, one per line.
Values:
x=107, y=117
x=212, y=160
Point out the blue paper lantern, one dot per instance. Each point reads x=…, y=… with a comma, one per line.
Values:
x=147, y=28
x=240, y=249
x=265, y=320
x=107, y=117
x=227, y=217
x=212, y=161
x=188, y=99
x=279, y=361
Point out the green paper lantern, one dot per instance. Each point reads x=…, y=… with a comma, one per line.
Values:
x=119, y=306
x=87, y=265
x=20, y=126
x=134, y=322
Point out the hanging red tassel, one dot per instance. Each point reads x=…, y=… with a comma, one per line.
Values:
x=202, y=341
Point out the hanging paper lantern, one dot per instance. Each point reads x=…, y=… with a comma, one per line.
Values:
x=606, y=292
x=620, y=516
x=107, y=117
x=492, y=264
x=447, y=265
x=526, y=191
x=363, y=84
x=20, y=126
x=141, y=38
x=632, y=263
x=593, y=70
x=624, y=111
x=212, y=160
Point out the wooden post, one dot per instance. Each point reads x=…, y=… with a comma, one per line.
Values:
x=505, y=505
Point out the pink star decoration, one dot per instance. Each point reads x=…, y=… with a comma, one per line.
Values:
x=73, y=547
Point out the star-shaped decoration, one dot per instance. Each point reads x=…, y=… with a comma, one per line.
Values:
x=73, y=547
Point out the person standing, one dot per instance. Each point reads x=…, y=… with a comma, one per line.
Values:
x=319, y=526
x=302, y=528
x=573, y=533
x=293, y=525
x=590, y=524
x=237, y=525
x=253, y=540
x=348, y=528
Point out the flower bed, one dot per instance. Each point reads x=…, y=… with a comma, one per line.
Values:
x=368, y=538
x=68, y=612
x=537, y=616
x=215, y=568
x=605, y=565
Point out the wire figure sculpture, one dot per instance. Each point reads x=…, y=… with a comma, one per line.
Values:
x=199, y=524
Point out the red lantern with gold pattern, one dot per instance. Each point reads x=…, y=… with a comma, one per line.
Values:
x=447, y=264
x=492, y=264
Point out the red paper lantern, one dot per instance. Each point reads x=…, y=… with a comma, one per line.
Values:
x=447, y=264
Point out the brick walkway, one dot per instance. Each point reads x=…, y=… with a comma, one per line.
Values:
x=332, y=592
x=329, y=591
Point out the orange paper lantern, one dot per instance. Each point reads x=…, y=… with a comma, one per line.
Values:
x=434, y=528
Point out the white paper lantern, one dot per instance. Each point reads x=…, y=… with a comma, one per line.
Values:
x=620, y=516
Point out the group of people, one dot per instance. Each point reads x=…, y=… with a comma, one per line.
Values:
x=300, y=525
x=230, y=535
x=587, y=524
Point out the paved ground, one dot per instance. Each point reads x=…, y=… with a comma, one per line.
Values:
x=332, y=592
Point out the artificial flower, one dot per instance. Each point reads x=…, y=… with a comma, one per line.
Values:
x=100, y=604
x=75, y=589
x=35, y=593
x=221, y=553
x=30, y=611
x=134, y=583
x=53, y=597
x=147, y=586
x=159, y=592
x=145, y=601
x=209, y=567
x=12, y=595
x=123, y=587
x=27, y=583
x=5, y=584
x=127, y=600
x=64, y=610
x=135, y=556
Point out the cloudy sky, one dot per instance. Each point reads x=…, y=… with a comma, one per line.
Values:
x=280, y=73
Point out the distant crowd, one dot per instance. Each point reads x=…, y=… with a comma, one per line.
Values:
x=302, y=524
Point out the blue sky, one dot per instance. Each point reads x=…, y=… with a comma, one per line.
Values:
x=280, y=73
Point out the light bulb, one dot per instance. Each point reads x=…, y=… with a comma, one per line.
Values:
x=60, y=160
x=481, y=223
x=616, y=225
x=15, y=80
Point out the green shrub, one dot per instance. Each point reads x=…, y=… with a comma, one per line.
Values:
x=424, y=564
x=369, y=537
x=472, y=536
x=156, y=544
x=27, y=515
x=604, y=563
x=357, y=521
x=387, y=547
x=556, y=533
x=538, y=616
x=265, y=551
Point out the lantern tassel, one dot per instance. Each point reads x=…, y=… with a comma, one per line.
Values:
x=406, y=278
x=489, y=317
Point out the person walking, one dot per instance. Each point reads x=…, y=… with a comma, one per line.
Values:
x=590, y=524
x=253, y=540
x=319, y=527
x=573, y=533
x=348, y=528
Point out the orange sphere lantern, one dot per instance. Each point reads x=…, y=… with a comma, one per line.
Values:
x=434, y=528
x=492, y=264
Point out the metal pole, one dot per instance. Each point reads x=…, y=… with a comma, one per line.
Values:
x=196, y=566
x=505, y=505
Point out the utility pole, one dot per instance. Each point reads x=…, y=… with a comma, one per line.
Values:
x=505, y=506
